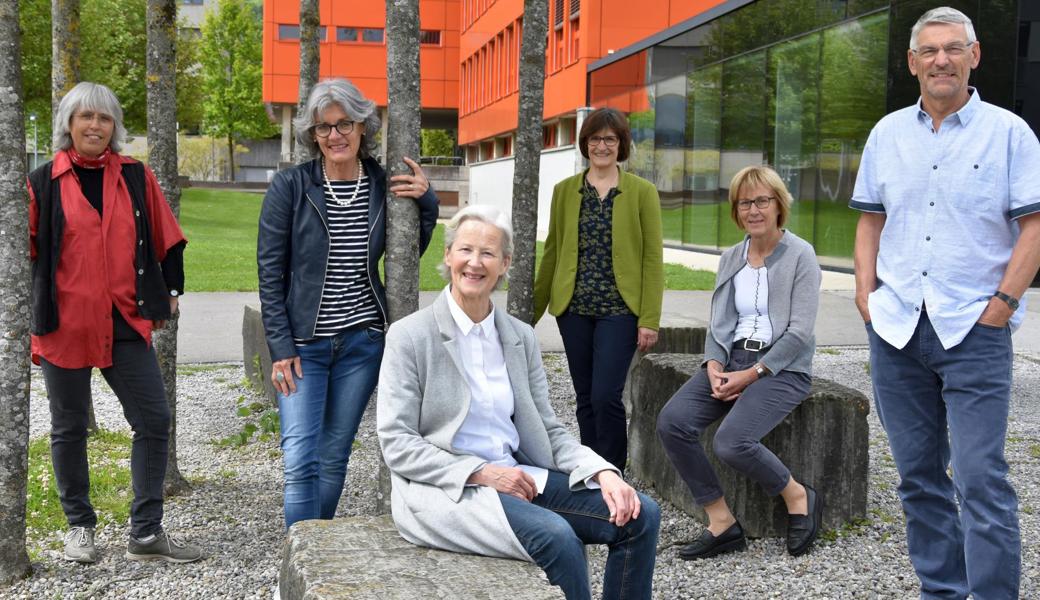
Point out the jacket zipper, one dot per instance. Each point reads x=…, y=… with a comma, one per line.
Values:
x=328, y=250
x=368, y=270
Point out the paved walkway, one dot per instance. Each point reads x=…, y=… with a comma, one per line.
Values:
x=211, y=322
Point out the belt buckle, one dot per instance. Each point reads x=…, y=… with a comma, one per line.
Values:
x=758, y=345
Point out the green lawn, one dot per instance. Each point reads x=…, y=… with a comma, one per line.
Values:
x=221, y=254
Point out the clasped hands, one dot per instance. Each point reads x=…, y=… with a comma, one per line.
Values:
x=727, y=386
x=621, y=499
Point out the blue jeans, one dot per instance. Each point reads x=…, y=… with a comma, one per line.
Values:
x=951, y=406
x=599, y=352
x=319, y=421
x=555, y=526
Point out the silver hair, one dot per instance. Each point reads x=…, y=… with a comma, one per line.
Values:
x=87, y=95
x=942, y=14
x=337, y=92
x=484, y=214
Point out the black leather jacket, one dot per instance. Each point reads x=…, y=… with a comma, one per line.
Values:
x=292, y=249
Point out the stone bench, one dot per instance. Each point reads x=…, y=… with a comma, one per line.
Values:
x=824, y=442
x=256, y=356
x=364, y=558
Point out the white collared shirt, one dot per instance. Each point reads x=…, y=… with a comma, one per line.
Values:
x=488, y=430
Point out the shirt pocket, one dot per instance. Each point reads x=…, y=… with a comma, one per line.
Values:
x=975, y=185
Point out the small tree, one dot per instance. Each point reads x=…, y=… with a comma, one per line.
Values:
x=162, y=158
x=14, y=305
x=310, y=60
x=232, y=56
x=65, y=49
x=528, y=154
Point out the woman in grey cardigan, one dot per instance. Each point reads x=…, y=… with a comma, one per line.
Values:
x=478, y=462
x=757, y=368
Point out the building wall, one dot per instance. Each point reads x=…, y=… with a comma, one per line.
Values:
x=361, y=61
x=491, y=182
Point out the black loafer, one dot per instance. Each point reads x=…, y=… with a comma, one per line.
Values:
x=803, y=529
x=707, y=545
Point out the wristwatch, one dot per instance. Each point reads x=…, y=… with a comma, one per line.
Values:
x=174, y=293
x=760, y=370
x=1011, y=301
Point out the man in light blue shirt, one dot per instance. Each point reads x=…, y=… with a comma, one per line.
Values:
x=947, y=243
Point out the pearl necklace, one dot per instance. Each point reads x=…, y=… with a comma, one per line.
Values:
x=332, y=192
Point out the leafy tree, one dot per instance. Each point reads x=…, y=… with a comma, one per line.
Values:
x=437, y=142
x=14, y=306
x=232, y=56
x=528, y=150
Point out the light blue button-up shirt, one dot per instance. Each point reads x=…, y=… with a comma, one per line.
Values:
x=951, y=198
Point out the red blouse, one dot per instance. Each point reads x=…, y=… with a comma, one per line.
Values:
x=96, y=268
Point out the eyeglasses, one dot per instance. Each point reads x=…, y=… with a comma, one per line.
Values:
x=762, y=202
x=324, y=129
x=952, y=50
x=609, y=140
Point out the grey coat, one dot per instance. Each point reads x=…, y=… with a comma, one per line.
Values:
x=794, y=296
x=423, y=399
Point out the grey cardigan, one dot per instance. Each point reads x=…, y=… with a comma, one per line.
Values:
x=794, y=296
x=423, y=399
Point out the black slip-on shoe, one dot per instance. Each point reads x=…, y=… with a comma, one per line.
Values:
x=803, y=529
x=708, y=545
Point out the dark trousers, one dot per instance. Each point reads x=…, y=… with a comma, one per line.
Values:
x=599, y=352
x=555, y=526
x=760, y=407
x=136, y=380
x=949, y=408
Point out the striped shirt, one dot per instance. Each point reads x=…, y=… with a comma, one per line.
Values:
x=346, y=298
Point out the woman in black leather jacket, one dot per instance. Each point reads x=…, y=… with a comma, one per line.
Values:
x=322, y=233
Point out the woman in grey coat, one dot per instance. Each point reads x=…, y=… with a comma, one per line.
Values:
x=757, y=368
x=479, y=463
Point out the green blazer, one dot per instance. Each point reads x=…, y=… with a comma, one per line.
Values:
x=638, y=252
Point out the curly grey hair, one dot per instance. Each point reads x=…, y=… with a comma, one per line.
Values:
x=484, y=214
x=88, y=96
x=942, y=14
x=341, y=93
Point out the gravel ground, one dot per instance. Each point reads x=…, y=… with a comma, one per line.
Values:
x=234, y=509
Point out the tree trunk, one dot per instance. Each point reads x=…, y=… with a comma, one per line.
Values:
x=402, y=239
x=527, y=151
x=231, y=158
x=310, y=59
x=14, y=304
x=64, y=49
x=162, y=158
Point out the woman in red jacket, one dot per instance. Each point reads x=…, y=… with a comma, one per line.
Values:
x=107, y=269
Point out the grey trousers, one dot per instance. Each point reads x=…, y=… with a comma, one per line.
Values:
x=746, y=420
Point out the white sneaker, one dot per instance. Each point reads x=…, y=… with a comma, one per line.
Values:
x=79, y=545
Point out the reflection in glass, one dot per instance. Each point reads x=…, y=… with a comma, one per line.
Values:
x=743, y=128
x=852, y=100
x=669, y=167
x=793, y=106
x=703, y=132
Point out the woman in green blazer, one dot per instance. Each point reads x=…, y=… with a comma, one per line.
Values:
x=602, y=278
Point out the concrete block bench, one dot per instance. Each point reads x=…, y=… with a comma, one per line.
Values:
x=824, y=442
x=256, y=357
x=364, y=558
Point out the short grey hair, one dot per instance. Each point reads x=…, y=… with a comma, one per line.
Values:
x=945, y=15
x=91, y=96
x=337, y=92
x=484, y=214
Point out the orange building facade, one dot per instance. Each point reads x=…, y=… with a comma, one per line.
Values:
x=580, y=32
x=353, y=45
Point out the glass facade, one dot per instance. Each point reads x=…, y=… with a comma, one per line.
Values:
x=797, y=84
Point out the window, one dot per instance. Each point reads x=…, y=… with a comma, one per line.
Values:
x=374, y=36
x=288, y=32
x=429, y=37
x=575, y=8
x=549, y=136
x=346, y=34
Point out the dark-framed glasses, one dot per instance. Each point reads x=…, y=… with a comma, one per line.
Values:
x=762, y=202
x=953, y=50
x=324, y=129
x=609, y=140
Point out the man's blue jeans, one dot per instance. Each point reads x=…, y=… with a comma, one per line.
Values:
x=319, y=421
x=557, y=524
x=950, y=407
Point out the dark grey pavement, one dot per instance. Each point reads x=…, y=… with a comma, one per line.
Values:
x=211, y=322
